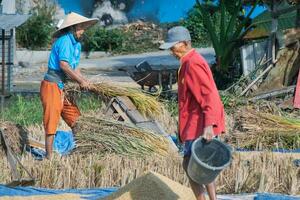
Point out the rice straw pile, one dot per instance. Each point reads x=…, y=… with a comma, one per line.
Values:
x=249, y=172
x=260, y=130
x=111, y=137
x=146, y=104
x=15, y=136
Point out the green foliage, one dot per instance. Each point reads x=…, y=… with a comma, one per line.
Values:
x=140, y=43
x=226, y=24
x=194, y=23
x=118, y=41
x=36, y=33
x=172, y=106
x=88, y=102
x=28, y=110
x=100, y=39
x=231, y=102
x=24, y=110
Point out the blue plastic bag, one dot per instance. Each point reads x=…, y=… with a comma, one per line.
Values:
x=63, y=142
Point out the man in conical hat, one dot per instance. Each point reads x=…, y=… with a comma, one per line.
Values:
x=62, y=64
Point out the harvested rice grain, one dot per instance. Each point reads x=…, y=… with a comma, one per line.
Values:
x=152, y=186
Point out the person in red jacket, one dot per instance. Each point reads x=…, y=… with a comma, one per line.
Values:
x=201, y=111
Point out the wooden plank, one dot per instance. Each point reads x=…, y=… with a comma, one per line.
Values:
x=121, y=106
x=34, y=143
x=255, y=80
x=127, y=102
x=136, y=116
x=273, y=93
x=152, y=126
x=130, y=109
x=297, y=93
x=116, y=106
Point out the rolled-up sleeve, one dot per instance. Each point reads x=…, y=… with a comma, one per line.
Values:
x=203, y=89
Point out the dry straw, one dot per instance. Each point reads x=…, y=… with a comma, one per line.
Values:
x=261, y=130
x=111, y=137
x=145, y=103
x=249, y=171
x=15, y=136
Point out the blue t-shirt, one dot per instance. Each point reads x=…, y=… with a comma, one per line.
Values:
x=65, y=48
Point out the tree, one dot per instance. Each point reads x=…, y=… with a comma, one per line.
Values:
x=234, y=24
x=37, y=31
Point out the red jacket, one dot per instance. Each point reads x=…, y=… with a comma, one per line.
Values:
x=198, y=98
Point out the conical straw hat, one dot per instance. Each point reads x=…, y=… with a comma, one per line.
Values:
x=74, y=18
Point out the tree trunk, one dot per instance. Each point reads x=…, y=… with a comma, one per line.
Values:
x=297, y=23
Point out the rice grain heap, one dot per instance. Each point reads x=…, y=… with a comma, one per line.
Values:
x=146, y=104
x=112, y=137
x=152, y=186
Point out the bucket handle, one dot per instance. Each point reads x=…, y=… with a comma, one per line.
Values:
x=206, y=142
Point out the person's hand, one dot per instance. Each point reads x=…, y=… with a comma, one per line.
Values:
x=86, y=85
x=208, y=133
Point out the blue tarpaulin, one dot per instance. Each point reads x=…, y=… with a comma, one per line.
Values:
x=266, y=196
x=97, y=193
x=89, y=194
x=63, y=142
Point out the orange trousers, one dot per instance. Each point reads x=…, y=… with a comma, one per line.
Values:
x=55, y=105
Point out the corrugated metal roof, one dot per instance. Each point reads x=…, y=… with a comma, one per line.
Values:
x=11, y=21
x=263, y=23
x=256, y=33
x=285, y=21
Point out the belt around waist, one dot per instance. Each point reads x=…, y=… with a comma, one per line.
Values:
x=55, y=76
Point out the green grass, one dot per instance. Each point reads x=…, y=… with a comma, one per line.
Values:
x=172, y=106
x=28, y=110
x=87, y=103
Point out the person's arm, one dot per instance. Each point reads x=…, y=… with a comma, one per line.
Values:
x=202, y=88
x=74, y=75
x=78, y=72
x=65, y=55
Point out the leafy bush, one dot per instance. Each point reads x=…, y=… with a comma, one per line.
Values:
x=36, y=33
x=119, y=41
x=195, y=25
x=100, y=39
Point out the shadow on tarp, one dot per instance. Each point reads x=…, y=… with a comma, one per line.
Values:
x=89, y=194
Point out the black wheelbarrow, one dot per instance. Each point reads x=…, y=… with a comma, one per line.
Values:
x=144, y=75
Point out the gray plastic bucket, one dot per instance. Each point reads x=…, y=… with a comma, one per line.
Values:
x=207, y=160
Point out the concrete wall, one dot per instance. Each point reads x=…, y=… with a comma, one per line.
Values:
x=9, y=6
x=35, y=57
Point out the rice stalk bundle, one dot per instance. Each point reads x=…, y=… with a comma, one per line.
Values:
x=112, y=137
x=15, y=136
x=145, y=103
x=258, y=130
